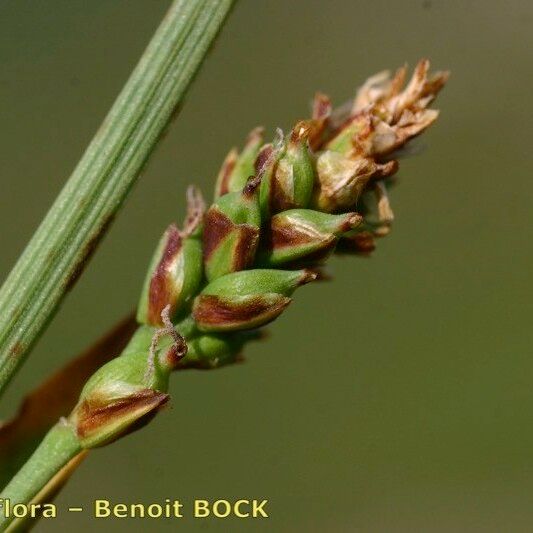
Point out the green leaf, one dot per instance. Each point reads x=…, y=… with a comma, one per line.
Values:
x=65, y=240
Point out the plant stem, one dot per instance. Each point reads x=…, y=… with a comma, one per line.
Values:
x=65, y=240
x=58, y=447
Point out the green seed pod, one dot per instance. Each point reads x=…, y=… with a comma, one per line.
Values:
x=287, y=174
x=231, y=231
x=304, y=235
x=128, y=391
x=209, y=351
x=247, y=299
x=341, y=179
x=236, y=168
x=174, y=276
x=212, y=350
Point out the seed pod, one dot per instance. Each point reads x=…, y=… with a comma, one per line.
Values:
x=173, y=278
x=210, y=351
x=175, y=271
x=247, y=299
x=213, y=350
x=304, y=235
x=231, y=231
x=236, y=168
x=127, y=392
x=342, y=179
x=287, y=175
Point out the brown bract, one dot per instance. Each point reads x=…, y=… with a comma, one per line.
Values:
x=264, y=159
x=288, y=232
x=285, y=233
x=216, y=313
x=218, y=227
x=322, y=110
x=162, y=285
x=225, y=172
x=281, y=188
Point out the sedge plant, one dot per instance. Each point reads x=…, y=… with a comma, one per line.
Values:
x=280, y=210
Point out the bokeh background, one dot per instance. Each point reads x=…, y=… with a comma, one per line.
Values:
x=395, y=398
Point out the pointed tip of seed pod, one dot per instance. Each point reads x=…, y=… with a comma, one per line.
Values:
x=352, y=221
x=322, y=274
x=307, y=276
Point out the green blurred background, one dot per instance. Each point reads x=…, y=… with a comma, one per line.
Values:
x=395, y=398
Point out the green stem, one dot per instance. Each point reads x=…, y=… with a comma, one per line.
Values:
x=61, y=246
x=58, y=447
